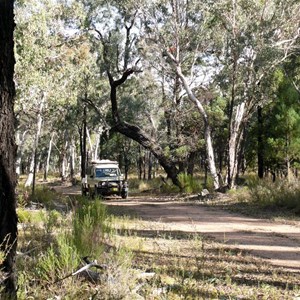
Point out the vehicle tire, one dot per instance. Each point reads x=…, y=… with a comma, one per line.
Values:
x=124, y=195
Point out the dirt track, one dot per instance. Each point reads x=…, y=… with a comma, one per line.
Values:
x=278, y=243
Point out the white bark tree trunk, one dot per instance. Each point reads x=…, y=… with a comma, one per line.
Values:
x=207, y=133
x=234, y=144
x=30, y=177
x=64, y=162
x=48, y=157
x=20, y=139
x=72, y=159
x=96, y=153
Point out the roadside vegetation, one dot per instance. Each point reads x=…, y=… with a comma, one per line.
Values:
x=129, y=258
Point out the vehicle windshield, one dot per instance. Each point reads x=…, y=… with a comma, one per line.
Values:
x=107, y=172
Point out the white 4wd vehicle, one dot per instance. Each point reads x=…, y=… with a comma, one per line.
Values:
x=104, y=178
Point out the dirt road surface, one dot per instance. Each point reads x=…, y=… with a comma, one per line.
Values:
x=275, y=242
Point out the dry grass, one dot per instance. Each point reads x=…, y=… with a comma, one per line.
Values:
x=190, y=267
x=177, y=265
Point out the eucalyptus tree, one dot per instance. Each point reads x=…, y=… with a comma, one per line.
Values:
x=228, y=48
x=53, y=59
x=175, y=33
x=251, y=39
x=8, y=216
x=39, y=65
x=114, y=28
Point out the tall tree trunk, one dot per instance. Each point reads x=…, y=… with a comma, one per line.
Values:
x=8, y=216
x=149, y=166
x=140, y=164
x=64, y=161
x=20, y=143
x=235, y=137
x=72, y=160
x=90, y=142
x=31, y=176
x=191, y=163
x=287, y=158
x=126, y=162
x=48, y=157
x=96, y=153
x=260, y=143
x=82, y=134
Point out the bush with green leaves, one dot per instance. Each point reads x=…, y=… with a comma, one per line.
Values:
x=59, y=260
x=190, y=183
x=280, y=193
x=91, y=224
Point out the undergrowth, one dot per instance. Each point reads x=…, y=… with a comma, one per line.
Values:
x=190, y=184
x=55, y=245
x=281, y=194
x=135, y=260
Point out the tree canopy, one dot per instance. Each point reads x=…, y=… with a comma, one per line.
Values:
x=183, y=79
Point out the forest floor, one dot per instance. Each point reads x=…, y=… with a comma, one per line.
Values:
x=277, y=242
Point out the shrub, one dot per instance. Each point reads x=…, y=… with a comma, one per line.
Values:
x=91, y=223
x=50, y=219
x=281, y=193
x=59, y=260
x=189, y=183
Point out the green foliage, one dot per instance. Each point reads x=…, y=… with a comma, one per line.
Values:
x=275, y=194
x=91, y=225
x=59, y=260
x=182, y=151
x=44, y=196
x=51, y=220
x=31, y=216
x=190, y=183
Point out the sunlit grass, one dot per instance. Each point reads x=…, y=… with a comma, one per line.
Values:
x=187, y=266
x=180, y=265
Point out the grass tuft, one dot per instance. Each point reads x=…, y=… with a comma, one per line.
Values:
x=190, y=183
x=281, y=194
x=91, y=224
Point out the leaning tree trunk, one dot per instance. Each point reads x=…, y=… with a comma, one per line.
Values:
x=207, y=131
x=8, y=216
x=136, y=133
